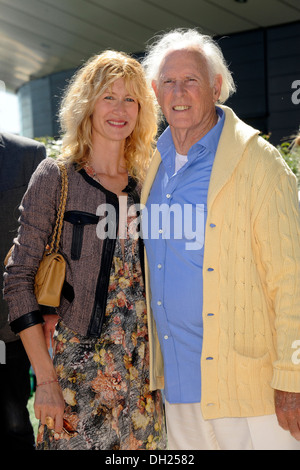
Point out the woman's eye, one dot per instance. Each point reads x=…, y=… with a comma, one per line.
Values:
x=131, y=100
x=108, y=97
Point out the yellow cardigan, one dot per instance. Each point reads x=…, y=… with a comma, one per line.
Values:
x=254, y=289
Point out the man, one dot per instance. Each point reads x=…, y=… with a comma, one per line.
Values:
x=221, y=227
x=19, y=157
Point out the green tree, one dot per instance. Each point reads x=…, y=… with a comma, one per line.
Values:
x=52, y=145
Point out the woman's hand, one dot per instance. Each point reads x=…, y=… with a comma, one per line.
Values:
x=49, y=401
x=49, y=405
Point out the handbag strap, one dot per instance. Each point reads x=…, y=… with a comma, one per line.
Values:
x=54, y=245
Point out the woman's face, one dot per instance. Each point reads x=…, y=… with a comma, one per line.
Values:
x=115, y=113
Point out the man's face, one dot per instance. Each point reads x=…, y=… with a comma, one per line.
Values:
x=184, y=90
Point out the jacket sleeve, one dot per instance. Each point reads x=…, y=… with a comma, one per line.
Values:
x=40, y=155
x=278, y=233
x=36, y=222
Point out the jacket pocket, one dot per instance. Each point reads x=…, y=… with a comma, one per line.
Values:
x=253, y=376
x=83, y=224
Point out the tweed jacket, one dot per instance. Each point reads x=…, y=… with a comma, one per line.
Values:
x=19, y=157
x=88, y=256
x=251, y=278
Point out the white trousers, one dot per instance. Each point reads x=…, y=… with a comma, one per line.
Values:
x=187, y=430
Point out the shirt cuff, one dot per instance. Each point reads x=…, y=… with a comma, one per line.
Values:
x=26, y=321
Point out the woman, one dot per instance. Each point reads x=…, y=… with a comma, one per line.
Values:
x=95, y=394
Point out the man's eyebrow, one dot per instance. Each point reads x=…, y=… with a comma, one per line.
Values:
x=171, y=77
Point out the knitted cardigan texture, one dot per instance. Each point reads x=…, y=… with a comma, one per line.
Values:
x=251, y=305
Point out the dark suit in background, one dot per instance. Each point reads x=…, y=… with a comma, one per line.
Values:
x=19, y=157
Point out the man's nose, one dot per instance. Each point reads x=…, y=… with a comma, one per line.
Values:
x=178, y=87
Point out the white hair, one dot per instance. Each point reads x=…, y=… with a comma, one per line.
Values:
x=179, y=39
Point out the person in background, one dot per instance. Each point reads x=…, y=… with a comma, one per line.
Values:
x=95, y=394
x=296, y=148
x=19, y=157
x=223, y=261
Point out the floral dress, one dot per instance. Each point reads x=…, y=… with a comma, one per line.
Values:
x=105, y=380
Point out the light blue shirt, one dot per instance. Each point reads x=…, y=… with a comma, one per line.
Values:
x=173, y=228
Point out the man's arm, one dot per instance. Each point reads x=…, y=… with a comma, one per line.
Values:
x=277, y=231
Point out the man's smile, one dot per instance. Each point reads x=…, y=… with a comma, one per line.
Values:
x=181, y=108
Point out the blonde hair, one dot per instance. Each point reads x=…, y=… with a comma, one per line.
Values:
x=77, y=106
x=181, y=38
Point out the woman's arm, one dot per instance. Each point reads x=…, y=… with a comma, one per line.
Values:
x=49, y=401
x=38, y=214
x=37, y=218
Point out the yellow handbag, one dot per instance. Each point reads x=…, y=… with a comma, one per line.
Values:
x=50, y=276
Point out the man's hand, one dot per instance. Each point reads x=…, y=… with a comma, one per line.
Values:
x=287, y=406
x=49, y=328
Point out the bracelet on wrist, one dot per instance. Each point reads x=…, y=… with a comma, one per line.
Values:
x=46, y=383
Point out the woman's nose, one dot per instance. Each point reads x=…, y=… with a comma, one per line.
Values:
x=120, y=107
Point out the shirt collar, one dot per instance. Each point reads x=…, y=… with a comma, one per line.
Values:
x=209, y=141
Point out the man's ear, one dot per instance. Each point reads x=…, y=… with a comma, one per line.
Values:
x=217, y=87
x=154, y=86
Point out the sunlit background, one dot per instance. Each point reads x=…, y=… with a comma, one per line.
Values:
x=9, y=111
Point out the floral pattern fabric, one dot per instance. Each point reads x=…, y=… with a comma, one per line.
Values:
x=105, y=380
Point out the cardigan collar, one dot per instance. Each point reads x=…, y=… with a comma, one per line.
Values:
x=233, y=142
